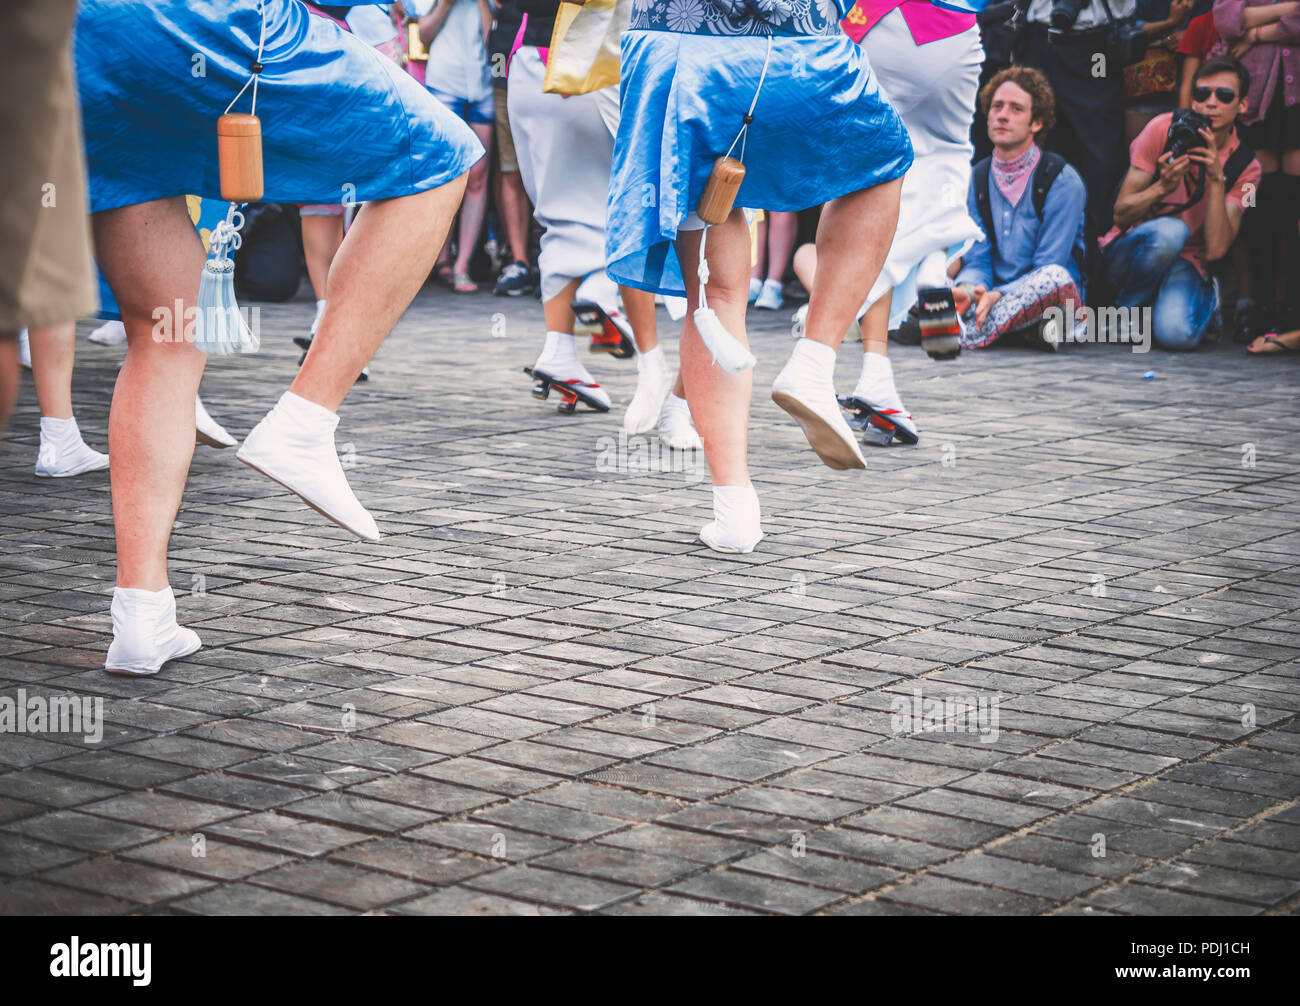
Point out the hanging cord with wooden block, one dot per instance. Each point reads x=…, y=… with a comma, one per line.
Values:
x=715, y=206
x=220, y=330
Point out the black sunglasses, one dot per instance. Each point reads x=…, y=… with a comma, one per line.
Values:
x=1226, y=95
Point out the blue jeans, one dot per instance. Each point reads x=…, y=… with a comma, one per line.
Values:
x=1145, y=266
x=474, y=112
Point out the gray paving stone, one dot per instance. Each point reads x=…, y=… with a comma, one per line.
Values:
x=748, y=890
x=562, y=703
x=128, y=881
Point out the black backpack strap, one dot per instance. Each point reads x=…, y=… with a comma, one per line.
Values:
x=980, y=177
x=1237, y=162
x=1048, y=168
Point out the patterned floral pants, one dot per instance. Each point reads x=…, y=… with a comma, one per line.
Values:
x=1023, y=302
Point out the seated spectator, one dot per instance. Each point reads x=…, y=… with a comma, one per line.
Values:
x=1174, y=213
x=1031, y=206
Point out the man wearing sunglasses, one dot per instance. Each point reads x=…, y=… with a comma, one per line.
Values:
x=1177, y=210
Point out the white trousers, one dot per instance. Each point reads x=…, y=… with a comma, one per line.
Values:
x=565, y=147
x=933, y=87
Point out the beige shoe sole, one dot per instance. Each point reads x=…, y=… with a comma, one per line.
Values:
x=328, y=516
x=833, y=450
x=202, y=438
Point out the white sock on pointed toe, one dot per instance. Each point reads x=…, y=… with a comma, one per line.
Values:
x=653, y=384
x=876, y=387
x=306, y=412
x=63, y=453
x=816, y=354
x=207, y=430
x=559, y=356
x=805, y=388
x=676, y=428
x=145, y=633
x=737, y=521
x=294, y=445
x=559, y=360
x=876, y=382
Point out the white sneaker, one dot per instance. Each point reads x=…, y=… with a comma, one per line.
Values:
x=755, y=288
x=653, y=383
x=145, y=633
x=676, y=428
x=207, y=430
x=736, y=525
x=63, y=453
x=769, y=297
x=111, y=333
x=24, y=349
x=806, y=390
x=294, y=445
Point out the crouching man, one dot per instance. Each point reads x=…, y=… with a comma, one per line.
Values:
x=1189, y=180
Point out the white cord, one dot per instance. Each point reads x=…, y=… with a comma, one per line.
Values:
x=261, y=44
x=703, y=271
x=744, y=129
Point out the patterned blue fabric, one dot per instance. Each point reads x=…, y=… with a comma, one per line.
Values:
x=822, y=128
x=738, y=17
x=340, y=122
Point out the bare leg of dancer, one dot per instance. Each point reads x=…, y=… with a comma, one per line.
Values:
x=153, y=258
x=62, y=452
x=379, y=268
x=719, y=402
x=322, y=233
x=853, y=239
x=660, y=397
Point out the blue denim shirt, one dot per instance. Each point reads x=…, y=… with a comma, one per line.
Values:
x=1026, y=243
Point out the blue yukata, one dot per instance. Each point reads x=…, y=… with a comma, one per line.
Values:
x=340, y=122
x=822, y=126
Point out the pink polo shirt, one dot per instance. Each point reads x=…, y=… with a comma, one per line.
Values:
x=1145, y=153
x=926, y=22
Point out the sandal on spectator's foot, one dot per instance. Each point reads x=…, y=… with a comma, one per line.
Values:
x=461, y=283
x=1272, y=343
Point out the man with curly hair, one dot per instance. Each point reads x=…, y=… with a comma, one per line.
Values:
x=1031, y=205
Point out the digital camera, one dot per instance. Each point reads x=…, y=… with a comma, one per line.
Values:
x=1185, y=131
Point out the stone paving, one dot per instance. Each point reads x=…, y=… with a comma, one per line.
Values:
x=539, y=694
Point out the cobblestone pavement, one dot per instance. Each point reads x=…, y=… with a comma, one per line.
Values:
x=540, y=694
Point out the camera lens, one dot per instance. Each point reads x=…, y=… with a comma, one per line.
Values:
x=1065, y=13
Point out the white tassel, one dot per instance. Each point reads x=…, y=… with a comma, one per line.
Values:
x=219, y=328
x=729, y=353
